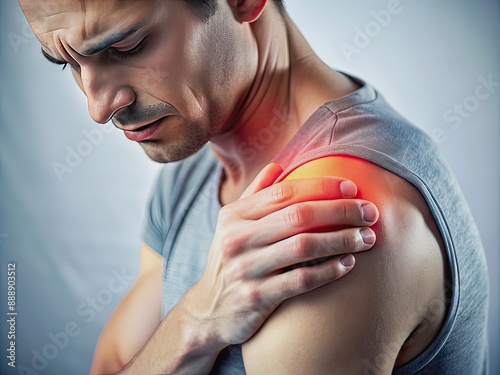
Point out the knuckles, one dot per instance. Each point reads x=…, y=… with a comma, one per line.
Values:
x=238, y=269
x=325, y=186
x=349, y=211
x=299, y=215
x=348, y=241
x=282, y=192
x=344, y=210
x=252, y=295
x=300, y=246
x=231, y=238
x=226, y=214
x=231, y=244
x=304, y=280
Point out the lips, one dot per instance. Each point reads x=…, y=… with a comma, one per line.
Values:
x=144, y=132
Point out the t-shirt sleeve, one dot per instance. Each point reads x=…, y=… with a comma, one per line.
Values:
x=155, y=223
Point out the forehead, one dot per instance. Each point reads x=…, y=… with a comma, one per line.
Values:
x=79, y=21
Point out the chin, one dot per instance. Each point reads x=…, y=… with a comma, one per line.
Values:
x=176, y=151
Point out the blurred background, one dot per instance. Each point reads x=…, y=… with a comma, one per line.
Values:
x=72, y=193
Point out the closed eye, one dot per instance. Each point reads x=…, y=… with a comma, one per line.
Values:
x=123, y=53
x=53, y=60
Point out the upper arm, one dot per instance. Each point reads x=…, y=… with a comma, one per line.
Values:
x=360, y=322
x=134, y=320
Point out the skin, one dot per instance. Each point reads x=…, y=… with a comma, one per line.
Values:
x=222, y=82
x=225, y=101
x=385, y=312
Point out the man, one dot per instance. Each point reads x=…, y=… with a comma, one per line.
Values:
x=238, y=74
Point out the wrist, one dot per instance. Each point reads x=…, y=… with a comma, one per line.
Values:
x=197, y=332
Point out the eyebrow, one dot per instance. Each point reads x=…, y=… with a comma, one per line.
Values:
x=101, y=46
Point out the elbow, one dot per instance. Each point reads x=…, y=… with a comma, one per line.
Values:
x=106, y=361
x=106, y=368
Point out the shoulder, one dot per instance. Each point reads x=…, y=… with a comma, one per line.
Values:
x=371, y=312
x=363, y=124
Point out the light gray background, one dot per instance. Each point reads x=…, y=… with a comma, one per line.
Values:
x=71, y=239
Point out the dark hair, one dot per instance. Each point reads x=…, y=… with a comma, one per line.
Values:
x=206, y=8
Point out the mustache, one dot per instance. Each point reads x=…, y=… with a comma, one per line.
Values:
x=133, y=115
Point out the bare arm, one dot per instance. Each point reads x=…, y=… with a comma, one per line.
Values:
x=242, y=284
x=134, y=323
x=134, y=320
x=359, y=324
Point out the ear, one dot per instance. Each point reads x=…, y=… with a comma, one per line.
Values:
x=247, y=10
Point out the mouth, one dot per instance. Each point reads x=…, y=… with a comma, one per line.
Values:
x=144, y=132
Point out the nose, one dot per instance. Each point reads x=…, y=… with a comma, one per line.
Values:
x=106, y=92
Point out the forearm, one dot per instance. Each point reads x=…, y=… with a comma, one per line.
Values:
x=136, y=341
x=180, y=345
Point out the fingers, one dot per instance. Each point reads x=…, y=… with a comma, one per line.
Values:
x=301, y=280
x=265, y=178
x=286, y=193
x=307, y=247
x=312, y=216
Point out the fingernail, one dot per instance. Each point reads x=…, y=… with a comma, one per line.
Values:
x=369, y=212
x=348, y=189
x=347, y=260
x=368, y=236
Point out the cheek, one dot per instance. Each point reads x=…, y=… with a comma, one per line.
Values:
x=167, y=69
x=172, y=80
x=157, y=78
x=209, y=70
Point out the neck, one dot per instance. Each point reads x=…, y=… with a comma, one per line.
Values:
x=290, y=84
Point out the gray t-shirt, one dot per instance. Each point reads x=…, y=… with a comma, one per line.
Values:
x=182, y=215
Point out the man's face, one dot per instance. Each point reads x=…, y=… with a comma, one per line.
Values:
x=157, y=70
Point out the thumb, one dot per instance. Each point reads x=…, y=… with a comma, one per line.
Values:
x=265, y=178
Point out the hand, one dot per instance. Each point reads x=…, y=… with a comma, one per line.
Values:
x=269, y=229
